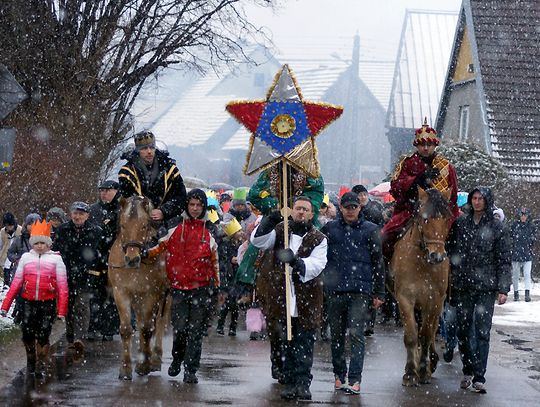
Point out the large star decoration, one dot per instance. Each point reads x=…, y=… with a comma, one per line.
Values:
x=284, y=126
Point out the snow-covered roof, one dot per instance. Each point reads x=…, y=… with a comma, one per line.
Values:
x=190, y=110
x=507, y=37
x=421, y=66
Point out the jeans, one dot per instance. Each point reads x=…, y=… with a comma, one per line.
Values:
x=78, y=316
x=450, y=325
x=298, y=355
x=474, y=314
x=516, y=268
x=189, y=318
x=352, y=311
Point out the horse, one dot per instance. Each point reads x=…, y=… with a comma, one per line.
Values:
x=420, y=269
x=138, y=284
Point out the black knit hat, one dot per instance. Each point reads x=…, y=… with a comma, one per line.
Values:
x=9, y=219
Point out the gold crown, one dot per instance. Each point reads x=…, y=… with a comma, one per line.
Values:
x=232, y=227
x=145, y=138
x=425, y=134
x=213, y=216
x=41, y=228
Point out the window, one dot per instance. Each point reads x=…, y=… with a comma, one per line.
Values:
x=463, y=123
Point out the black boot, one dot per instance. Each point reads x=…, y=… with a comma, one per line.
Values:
x=30, y=347
x=516, y=295
x=175, y=367
x=527, y=296
x=288, y=392
x=302, y=392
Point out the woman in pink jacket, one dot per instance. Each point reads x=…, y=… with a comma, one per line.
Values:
x=41, y=274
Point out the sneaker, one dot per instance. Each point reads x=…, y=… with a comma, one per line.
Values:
x=368, y=332
x=354, y=389
x=253, y=336
x=220, y=331
x=466, y=382
x=339, y=384
x=107, y=338
x=175, y=367
x=478, y=387
x=190, y=377
x=232, y=332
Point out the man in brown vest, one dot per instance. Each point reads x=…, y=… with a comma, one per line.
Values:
x=306, y=256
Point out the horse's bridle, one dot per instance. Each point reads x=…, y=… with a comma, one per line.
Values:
x=424, y=242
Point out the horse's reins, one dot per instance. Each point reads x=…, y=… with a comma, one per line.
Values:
x=423, y=241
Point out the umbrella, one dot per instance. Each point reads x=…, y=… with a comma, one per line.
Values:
x=192, y=182
x=220, y=186
x=381, y=189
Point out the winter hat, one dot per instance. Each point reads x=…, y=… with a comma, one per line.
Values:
x=56, y=213
x=425, y=134
x=109, y=184
x=358, y=189
x=144, y=139
x=199, y=194
x=31, y=218
x=500, y=212
x=80, y=206
x=9, y=219
x=41, y=233
x=239, y=196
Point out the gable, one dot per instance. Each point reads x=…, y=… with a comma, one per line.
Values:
x=464, y=69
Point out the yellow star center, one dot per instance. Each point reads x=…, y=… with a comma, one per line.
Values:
x=283, y=125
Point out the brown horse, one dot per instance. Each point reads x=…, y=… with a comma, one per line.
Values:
x=420, y=268
x=138, y=285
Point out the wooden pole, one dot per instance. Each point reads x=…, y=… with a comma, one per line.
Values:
x=286, y=246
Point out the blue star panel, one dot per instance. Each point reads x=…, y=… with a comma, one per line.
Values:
x=300, y=134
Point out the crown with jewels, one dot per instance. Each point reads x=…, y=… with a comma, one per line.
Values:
x=425, y=134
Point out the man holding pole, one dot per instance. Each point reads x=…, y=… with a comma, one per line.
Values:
x=304, y=260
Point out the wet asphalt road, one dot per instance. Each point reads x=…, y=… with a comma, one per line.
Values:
x=236, y=372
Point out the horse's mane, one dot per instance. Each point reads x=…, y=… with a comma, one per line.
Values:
x=133, y=208
x=435, y=206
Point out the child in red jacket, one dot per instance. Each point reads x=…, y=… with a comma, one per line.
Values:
x=193, y=272
x=41, y=274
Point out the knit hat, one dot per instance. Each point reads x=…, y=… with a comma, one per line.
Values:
x=357, y=189
x=239, y=196
x=144, y=139
x=425, y=134
x=41, y=233
x=31, y=218
x=56, y=213
x=500, y=212
x=9, y=219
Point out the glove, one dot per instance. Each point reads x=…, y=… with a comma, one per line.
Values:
x=432, y=173
x=3, y=313
x=298, y=266
x=286, y=255
x=268, y=223
x=144, y=253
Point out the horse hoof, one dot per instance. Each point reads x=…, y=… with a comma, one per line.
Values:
x=409, y=380
x=142, y=369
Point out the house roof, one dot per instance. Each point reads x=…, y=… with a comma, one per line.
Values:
x=507, y=42
x=421, y=65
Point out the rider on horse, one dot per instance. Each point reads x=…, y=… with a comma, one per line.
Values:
x=425, y=168
x=151, y=173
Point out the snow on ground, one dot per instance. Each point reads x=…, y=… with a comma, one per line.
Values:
x=5, y=322
x=520, y=313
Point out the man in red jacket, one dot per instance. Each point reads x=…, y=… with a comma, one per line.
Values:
x=425, y=168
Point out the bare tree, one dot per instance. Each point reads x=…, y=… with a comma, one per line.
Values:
x=83, y=63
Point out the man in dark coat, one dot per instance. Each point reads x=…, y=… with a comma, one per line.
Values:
x=479, y=252
x=104, y=213
x=523, y=240
x=151, y=173
x=425, y=168
x=353, y=281
x=306, y=255
x=80, y=242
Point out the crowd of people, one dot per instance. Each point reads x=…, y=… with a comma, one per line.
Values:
x=227, y=251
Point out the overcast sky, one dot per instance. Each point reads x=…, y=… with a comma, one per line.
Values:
x=318, y=26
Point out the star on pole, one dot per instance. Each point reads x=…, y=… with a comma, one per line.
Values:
x=284, y=126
